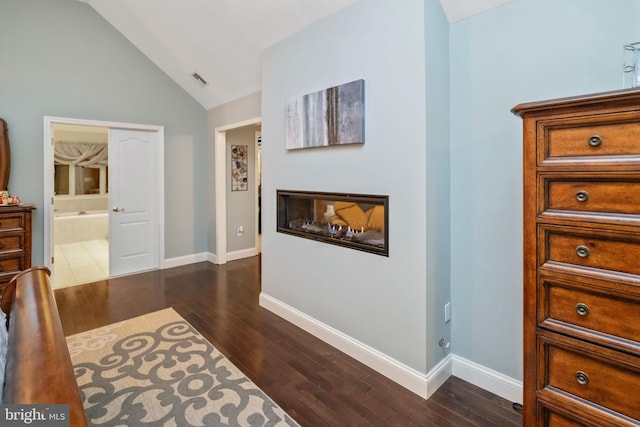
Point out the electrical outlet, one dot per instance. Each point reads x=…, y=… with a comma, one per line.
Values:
x=447, y=312
x=240, y=231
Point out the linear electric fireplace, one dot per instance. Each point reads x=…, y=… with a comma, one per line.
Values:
x=356, y=221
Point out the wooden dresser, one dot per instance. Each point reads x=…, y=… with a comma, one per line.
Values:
x=582, y=260
x=15, y=240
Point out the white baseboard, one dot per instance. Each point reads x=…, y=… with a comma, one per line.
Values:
x=488, y=379
x=232, y=256
x=244, y=253
x=183, y=260
x=421, y=384
x=438, y=375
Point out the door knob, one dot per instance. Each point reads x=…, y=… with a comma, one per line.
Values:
x=117, y=209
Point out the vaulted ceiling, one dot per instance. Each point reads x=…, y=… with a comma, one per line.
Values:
x=222, y=40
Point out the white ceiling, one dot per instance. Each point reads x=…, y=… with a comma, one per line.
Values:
x=222, y=40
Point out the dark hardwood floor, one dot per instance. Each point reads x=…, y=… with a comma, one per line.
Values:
x=315, y=383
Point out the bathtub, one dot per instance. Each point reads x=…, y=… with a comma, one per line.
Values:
x=71, y=227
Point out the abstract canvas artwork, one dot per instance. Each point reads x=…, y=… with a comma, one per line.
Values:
x=239, y=167
x=333, y=116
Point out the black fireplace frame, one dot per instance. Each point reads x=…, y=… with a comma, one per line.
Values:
x=284, y=217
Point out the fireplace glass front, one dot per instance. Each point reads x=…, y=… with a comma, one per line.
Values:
x=356, y=221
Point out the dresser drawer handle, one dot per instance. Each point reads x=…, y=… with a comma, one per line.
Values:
x=582, y=378
x=595, y=141
x=582, y=309
x=582, y=196
x=582, y=251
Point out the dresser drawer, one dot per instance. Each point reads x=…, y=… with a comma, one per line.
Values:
x=585, y=139
x=559, y=410
x=11, y=221
x=603, y=377
x=554, y=419
x=9, y=267
x=590, y=250
x=591, y=195
x=11, y=242
x=594, y=314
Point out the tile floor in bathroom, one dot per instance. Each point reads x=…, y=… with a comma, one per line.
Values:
x=80, y=263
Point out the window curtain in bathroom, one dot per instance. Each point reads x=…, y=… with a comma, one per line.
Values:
x=83, y=154
x=86, y=154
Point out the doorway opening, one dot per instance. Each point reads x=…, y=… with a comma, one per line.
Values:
x=103, y=199
x=80, y=204
x=222, y=181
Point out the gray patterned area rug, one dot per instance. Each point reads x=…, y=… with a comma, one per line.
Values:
x=157, y=370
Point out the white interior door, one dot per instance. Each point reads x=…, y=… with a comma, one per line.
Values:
x=133, y=243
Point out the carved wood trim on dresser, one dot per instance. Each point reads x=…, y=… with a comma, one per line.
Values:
x=15, y=240
x=582, y=260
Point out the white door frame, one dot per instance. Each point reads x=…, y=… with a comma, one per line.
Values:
x=258, y=210
x=49, y=176
x=220, y=179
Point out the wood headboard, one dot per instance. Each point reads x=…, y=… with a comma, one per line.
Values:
x=39, y=369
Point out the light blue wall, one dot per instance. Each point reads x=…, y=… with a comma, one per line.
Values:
x=438, y=238
x=60, y=58
x=523, y=51
x=377, y=300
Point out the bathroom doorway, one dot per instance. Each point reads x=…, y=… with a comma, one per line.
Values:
x=80, y=204
x=103, y=202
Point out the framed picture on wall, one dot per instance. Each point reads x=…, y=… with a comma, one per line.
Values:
x=332, y=116
x=239, y=167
